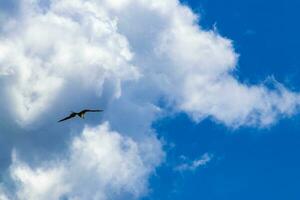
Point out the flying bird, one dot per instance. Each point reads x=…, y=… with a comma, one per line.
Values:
x=79, y=114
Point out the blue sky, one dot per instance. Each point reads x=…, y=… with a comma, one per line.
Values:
x=204, y=109
x=249, y=163
x=264, y=34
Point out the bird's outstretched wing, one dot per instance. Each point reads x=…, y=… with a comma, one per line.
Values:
x=89, y=110
x=69, y=117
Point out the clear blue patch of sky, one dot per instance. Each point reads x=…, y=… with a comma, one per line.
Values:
x=248, y=163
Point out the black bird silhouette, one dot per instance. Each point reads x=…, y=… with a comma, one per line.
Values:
x=79, y=114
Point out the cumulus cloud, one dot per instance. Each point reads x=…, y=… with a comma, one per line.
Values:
x=192, y=68
x=126, y=56
x=73, y=47
x=195, y=164
x=100, y=164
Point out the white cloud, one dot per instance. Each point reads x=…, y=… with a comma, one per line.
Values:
x=192, y=68
x=125, y=56
x=74, y=48
x=101, y=164
x=195, y=164
x=63, y=51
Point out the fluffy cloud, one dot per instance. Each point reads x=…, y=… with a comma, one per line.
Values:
x=100, y=164
x=192, y=68
x=75, y=48
x=65, y=51
x=126, y=56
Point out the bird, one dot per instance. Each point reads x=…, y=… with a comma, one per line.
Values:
x=79, y=114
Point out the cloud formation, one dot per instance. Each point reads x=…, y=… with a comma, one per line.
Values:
x=195, y=164
x=74, y=48
x=192, y=68
x=126, y=56
x=64, y=51
x=100, y=164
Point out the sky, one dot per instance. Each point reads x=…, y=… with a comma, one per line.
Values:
x=201, y=99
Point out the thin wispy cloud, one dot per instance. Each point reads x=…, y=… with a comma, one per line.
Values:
x=195, y=164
